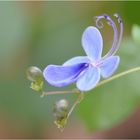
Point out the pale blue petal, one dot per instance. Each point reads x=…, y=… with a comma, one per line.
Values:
x=92, y=43
x=60, y=76
x=76, y=60
x=109, y=66
x=89, y=79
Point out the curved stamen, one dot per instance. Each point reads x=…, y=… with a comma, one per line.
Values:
x=99, y=24
x=121, y=31
x=113, y=25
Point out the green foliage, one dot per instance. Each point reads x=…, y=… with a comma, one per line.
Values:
x=136, y=33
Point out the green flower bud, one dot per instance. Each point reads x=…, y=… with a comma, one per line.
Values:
x=35, y=75
x=60, y=110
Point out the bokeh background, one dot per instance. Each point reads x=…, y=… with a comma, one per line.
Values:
x=42, y=33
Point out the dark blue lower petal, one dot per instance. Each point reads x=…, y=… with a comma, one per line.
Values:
x=61, y=76
x=77, y=60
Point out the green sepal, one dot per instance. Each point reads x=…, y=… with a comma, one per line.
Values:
x=61, y=123
x=37, y=85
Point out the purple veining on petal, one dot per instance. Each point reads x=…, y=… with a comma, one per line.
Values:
x=60, y=76
x=76, y=60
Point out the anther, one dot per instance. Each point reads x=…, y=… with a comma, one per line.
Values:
x=106, y=16
x=118, y=17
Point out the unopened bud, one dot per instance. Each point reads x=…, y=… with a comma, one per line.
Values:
x=60, y=110
x=34, y=73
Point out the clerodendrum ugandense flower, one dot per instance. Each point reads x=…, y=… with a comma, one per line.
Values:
x=86, y=71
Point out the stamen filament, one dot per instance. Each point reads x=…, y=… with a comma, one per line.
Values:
x=121, y=32
x=111, y=23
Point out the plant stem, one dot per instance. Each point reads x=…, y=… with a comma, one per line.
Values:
x=79, y=99
x=61, y=92
x=118, y=76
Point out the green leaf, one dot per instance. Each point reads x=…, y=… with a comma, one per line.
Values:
x=136, y=33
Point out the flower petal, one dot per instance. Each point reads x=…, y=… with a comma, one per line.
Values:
x=92, y=42
x=109, y=66
x=89, y=79
x=60, y=76
x=76, y=60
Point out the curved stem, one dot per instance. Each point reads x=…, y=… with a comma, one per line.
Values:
x=118, y=76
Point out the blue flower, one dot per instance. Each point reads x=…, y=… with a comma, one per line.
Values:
x=86, y=71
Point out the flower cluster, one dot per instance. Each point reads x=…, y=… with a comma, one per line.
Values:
x=86, y=71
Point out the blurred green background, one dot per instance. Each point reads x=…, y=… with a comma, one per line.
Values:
x=42, y=33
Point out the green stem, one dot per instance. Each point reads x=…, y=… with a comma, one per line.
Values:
x=61, y=92
x=79, y=99
x=118, y=76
